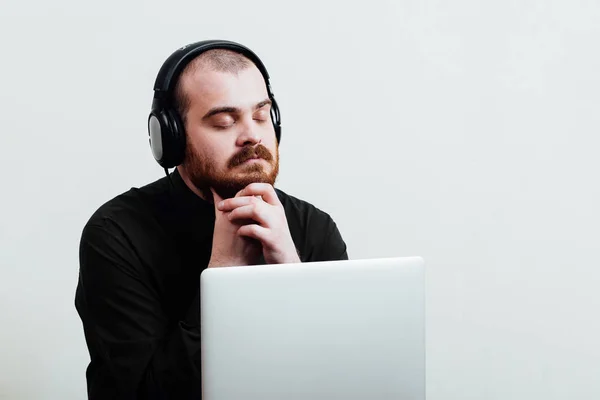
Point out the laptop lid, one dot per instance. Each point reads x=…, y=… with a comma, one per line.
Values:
x=351, y=329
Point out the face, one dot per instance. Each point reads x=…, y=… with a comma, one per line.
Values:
x=230, y=136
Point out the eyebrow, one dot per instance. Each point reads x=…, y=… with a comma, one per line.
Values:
x=219, y=110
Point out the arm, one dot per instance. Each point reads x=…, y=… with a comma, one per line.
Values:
x=135, y=351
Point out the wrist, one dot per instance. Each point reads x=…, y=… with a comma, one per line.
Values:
x=217, y=262
x=293, y=257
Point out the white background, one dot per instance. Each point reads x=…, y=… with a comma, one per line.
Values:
x=465, y=132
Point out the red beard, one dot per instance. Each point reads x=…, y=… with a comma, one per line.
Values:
x=204, y=176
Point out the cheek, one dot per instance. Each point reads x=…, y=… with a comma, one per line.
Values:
x=209, y=153
x=269, y=140
x=196, y=148
x=272, y=146
x=197, y=143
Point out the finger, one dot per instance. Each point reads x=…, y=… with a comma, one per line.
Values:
x=265, y=190
x=240, y=194
x=254, y=231
x=235, y=202
x=255, y=212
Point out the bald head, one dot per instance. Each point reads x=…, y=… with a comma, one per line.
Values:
x=220, y=60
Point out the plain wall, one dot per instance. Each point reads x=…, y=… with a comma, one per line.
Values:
x=464, y=132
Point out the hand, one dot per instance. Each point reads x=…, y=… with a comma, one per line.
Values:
x=228, y=247
x=259, y=202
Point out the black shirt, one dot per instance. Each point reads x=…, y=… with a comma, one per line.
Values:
x=141, y=255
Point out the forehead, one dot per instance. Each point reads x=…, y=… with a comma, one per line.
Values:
x=207, y=88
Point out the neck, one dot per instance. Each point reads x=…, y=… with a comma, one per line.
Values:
x=188, y=182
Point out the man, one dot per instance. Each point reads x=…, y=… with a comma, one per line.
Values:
x=142, y=252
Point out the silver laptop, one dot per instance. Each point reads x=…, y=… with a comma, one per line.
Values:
x=320, y=331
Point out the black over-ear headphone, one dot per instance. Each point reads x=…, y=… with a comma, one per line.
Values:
x=165, y=125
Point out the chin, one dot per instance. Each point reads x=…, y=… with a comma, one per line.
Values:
x=246, y=179
x=228, y=188
x=253, y=168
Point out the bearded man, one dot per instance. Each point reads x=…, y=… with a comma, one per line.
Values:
x=142, y=252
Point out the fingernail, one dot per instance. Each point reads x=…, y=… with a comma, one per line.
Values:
x=220, y=205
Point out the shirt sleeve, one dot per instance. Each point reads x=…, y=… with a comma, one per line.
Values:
x=135, y=351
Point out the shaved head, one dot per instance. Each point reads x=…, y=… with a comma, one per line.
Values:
x=219, y=60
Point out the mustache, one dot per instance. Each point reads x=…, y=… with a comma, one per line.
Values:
x=258, y=151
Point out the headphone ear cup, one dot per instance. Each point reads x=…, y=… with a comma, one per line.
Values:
x=167, y=137
x=157, y=132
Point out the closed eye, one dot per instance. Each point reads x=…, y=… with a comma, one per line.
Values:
x=222, y=121
x=261, y=115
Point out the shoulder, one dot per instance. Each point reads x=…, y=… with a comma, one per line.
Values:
x=314, y=231
x=302, y=209
x=121, y=233
x=131, y=206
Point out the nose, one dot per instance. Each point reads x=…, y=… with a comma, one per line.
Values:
x=249, y=135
